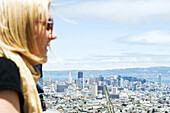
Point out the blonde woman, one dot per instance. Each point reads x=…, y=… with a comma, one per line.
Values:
x=25, y=32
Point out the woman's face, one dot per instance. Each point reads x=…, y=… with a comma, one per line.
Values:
x=45, y=39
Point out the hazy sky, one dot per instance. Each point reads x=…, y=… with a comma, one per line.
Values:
x=110, y=34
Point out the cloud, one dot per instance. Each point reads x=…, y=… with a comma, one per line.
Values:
x=158, y=37
x=101, y=62
x=111, y=60
x=124, y=11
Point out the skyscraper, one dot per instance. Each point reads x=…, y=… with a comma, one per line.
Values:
x=121, y=83
x=101, y=78
x=80, y=74
x=70, y=78
x=80, y=80
x=101, y=89
x=94, y=89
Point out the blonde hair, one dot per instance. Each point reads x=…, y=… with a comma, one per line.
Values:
x=17, y=27
x=18, y=43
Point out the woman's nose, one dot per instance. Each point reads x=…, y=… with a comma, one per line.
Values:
x=53, y=36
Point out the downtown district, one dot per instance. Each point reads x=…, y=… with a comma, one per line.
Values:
x=111, y=94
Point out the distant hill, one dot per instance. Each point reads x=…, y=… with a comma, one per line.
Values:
x=150, y=73
x=137, y=72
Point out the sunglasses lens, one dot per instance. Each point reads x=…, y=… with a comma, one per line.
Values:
x=50, y=24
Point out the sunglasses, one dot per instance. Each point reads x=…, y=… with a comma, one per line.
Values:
x=49, y=23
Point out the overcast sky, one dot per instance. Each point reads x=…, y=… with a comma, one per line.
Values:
x=110, y=34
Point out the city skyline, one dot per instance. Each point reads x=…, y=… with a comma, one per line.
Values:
x=110, y=34
x=96, y=93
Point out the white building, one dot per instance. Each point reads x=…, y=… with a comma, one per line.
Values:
x=70, y=78
x=94, y=90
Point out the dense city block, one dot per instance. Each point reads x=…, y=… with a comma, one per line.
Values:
x=107, y=94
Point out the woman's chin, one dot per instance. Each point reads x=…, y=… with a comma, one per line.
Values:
x=45, y=58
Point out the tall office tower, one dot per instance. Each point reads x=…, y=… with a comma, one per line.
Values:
x=101, y=80
x=97, y=80
x=80, y=80
x=86, y=82
x=111, y=81
x=108, y=82
x=159, y=78
x=70, y=78
x=118, y=78
x=94, y=90
x=126, y=83
x=80, y=74
x=115, y=83
x=121, y=83
x=91, y=81
x=101, y=89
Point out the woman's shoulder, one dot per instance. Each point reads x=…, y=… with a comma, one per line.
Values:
x=7, y=63
x=9, y=74
x=10, y=78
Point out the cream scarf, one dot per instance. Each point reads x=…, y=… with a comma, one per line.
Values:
x=29, y=77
